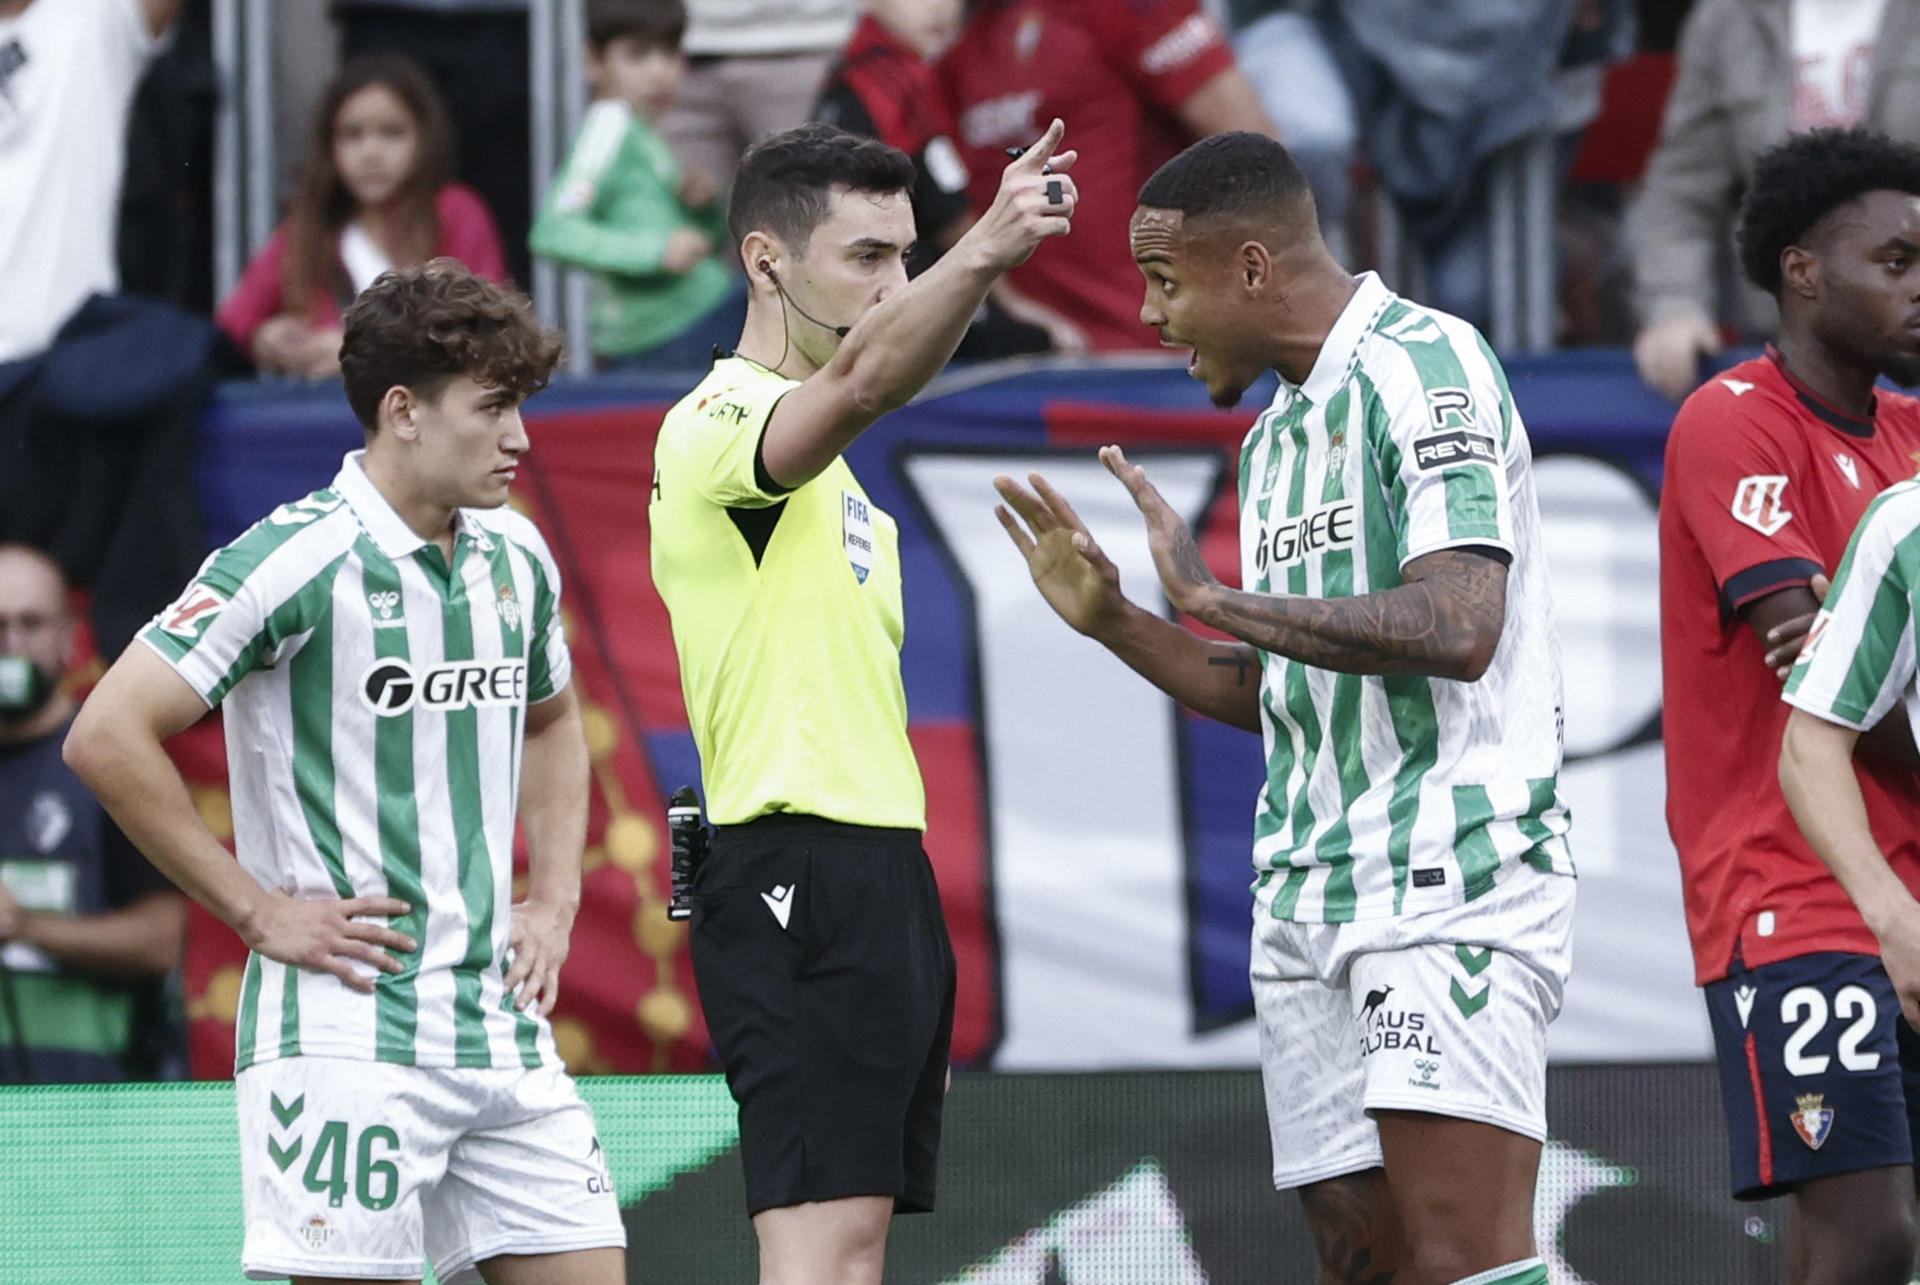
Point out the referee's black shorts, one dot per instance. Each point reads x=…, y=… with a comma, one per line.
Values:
x=825, y=972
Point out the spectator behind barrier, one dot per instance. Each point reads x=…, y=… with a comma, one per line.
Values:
x=622, y=208
x=99, y=392
x=68, y=71
x=1750, y=72
x=883, y=86
x=1283, y=49
x=1442, y=90
x=475, y=51
x=1140, y=79
x=87, y=927
x=376, y=192
x=756, y=66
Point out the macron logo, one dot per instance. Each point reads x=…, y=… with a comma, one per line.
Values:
x=780, y=902
x=1743, y=998
x=1737, y=386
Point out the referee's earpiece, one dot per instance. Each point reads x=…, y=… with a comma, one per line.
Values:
x=766, y=266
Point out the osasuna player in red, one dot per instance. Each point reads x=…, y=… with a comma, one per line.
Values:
x=1147, y=76
x=1769, y=467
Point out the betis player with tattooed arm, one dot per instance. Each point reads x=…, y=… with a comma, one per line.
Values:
x=1413, y=899
x=390, y=658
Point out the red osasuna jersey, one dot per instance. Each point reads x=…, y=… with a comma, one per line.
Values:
x=1116, y=71
x=1765, y=481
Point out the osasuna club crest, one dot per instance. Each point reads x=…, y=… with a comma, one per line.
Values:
x=1814, y=1120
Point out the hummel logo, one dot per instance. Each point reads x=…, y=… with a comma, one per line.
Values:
x=383, y=604
x=1743, y=998
x=780, y=902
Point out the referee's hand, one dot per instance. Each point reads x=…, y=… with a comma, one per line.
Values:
x=1036, y=200
x=329, y=936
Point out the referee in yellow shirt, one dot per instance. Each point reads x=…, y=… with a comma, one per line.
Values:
x=818, y=943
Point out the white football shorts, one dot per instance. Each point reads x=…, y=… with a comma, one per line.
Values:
x=359, y=1169
x=1444, y=1012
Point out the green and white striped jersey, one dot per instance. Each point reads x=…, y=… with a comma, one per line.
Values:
x=375, y=712
x=1858, y=658
x=1398, y=795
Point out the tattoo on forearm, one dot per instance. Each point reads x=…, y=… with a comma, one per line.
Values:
x=1342, y=1214
x=1452, y=602
x=1243, y=662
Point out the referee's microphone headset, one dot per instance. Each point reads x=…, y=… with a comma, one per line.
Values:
x=766, y=266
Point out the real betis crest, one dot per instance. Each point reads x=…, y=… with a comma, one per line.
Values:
x=1337, y=452
x=509, y=607
x=1272, y=474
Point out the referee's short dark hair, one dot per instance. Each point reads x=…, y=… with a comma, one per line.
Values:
x=1235, y=173
x=784, y=182
x=1796, y=184
x=422, y=328
x=656, y=24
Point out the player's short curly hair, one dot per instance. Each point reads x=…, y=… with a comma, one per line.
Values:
x=1798, y=183
x=421, y=328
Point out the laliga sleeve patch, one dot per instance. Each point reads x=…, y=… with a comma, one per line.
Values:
x=192, y=612
x=1760, y=502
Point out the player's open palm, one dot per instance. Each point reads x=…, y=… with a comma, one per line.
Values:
x=331, y=936
x=537, y=942
x=1073, y=575
x=1184, y=573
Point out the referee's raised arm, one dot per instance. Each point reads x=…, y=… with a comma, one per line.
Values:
x=908, y=332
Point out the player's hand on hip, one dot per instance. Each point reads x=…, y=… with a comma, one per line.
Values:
x=1036, y=200
x=1183, y=572
x=537, y=942
x=1900, y=954
x=1073, y=575
x=329, y=936
x=1785, y=639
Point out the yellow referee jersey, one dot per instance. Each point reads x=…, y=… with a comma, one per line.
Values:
x=786, y=617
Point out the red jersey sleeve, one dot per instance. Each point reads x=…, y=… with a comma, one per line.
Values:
x=258, y=297
x=1167, y=48
x=1733, y=468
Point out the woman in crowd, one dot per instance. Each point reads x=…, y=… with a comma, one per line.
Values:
x=376, y=192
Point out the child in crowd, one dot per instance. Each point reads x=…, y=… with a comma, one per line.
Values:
x=376, y=192
x=621, y=207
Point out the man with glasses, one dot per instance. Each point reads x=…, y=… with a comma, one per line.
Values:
x=87, y=926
